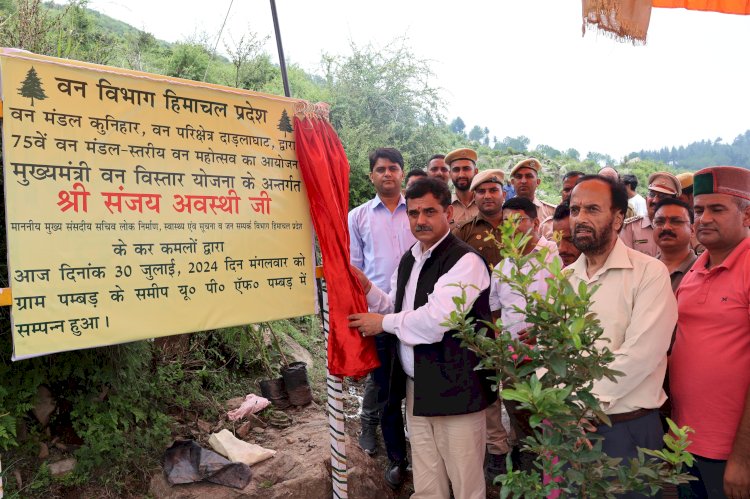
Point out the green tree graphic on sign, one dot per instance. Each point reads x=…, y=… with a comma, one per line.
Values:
x=285, y=125
x=32, y=87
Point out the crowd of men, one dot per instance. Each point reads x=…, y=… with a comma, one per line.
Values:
x=673, y=277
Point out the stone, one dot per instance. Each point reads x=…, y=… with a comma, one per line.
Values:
x=297, y=351
x=258, y=429
x=234, y=403
x=43, y=451
x=45, y=405
x=244, y=430
x=62, y=467
x=204, y=426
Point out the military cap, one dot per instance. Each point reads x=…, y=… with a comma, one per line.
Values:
x=532, y=163
x=496, y=176
x=686, y=180
x=664, y=182
x=729, y=180
x=464, y=153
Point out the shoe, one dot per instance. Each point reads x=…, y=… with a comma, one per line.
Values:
x=368, y=439
x=494, y=466
x=395, y=473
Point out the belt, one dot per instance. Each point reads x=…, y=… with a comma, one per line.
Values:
x=627, y=416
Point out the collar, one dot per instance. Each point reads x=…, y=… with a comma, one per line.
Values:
x=454, y=200
x=618, y=258
x=685, y=265
x=416, y=250
x=728, y=263
x=379, y=202
x=645, y=222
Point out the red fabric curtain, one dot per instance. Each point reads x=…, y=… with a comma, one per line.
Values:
x=325, y=171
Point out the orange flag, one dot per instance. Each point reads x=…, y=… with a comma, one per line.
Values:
x=723, y=6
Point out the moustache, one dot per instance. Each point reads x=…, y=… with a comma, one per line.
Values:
x=583, y=226
x=422, y=228
x=666, y=233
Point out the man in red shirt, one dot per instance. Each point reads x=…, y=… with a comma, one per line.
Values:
x=709, y=369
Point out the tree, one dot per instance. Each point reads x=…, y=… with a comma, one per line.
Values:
x=249, y=47
x=31, y=87
x=548, y=151
x=572, y=154
x=189, y=60
x=514, y=144
x=384, y=97
x=476, y=133
x=284, y=124
x=458, y=126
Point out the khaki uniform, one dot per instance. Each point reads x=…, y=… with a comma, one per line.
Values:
x=473, y=232
x=461, y=212
x=544, y=209
x=638, y=234
x=545, y=228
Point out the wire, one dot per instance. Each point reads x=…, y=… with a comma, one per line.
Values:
x=218, y=38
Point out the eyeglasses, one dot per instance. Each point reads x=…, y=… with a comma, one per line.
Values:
x=660, y=195
x=660, y=223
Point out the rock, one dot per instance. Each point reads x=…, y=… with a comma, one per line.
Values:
x=234, y=403
x=45, y=405
x=244, y=430
x=297, y=351
x=62, y=467
x=61, y=446
x=258, y=429
x=300, y=469
x=43, y=451
x=204, y=426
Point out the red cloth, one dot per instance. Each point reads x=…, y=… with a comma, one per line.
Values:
x=325, y=171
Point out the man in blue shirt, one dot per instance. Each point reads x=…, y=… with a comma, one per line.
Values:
x=379, y=235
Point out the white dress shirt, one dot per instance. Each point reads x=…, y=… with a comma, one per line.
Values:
x=638, y=312
x=508, y=301
x=423, y=325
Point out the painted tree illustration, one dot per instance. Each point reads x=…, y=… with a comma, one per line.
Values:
x=31, y=87
x=285, y=125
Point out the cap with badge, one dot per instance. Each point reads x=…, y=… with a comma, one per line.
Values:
x=729, y=180
x=496, y=176
x=469, y=154
x=531, y=163
x=686, y=180
x=664, y=182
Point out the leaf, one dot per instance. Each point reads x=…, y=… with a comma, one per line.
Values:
x=558, y=365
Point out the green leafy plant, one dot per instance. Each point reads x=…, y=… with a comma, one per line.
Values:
x=550, y=377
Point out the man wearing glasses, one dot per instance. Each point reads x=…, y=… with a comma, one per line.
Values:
x=638, y=232
x=673, y=230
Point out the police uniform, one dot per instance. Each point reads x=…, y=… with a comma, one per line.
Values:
x=462, y=212
x=637, y=232
x=474, y=231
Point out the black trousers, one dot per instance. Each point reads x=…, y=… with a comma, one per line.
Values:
x=379, y=405
x=710, y=483
x=623, y=439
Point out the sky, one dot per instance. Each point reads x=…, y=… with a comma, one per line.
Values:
x=517, y=67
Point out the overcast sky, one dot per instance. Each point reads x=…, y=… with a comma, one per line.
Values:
x=518, y=67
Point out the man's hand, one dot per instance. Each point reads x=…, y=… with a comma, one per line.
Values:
x=737, y=477
x=363, y=280
x=368, y=324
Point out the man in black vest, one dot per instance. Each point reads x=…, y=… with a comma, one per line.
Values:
x=445, y=397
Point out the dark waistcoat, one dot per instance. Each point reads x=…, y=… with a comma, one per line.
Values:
x=445, y=382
